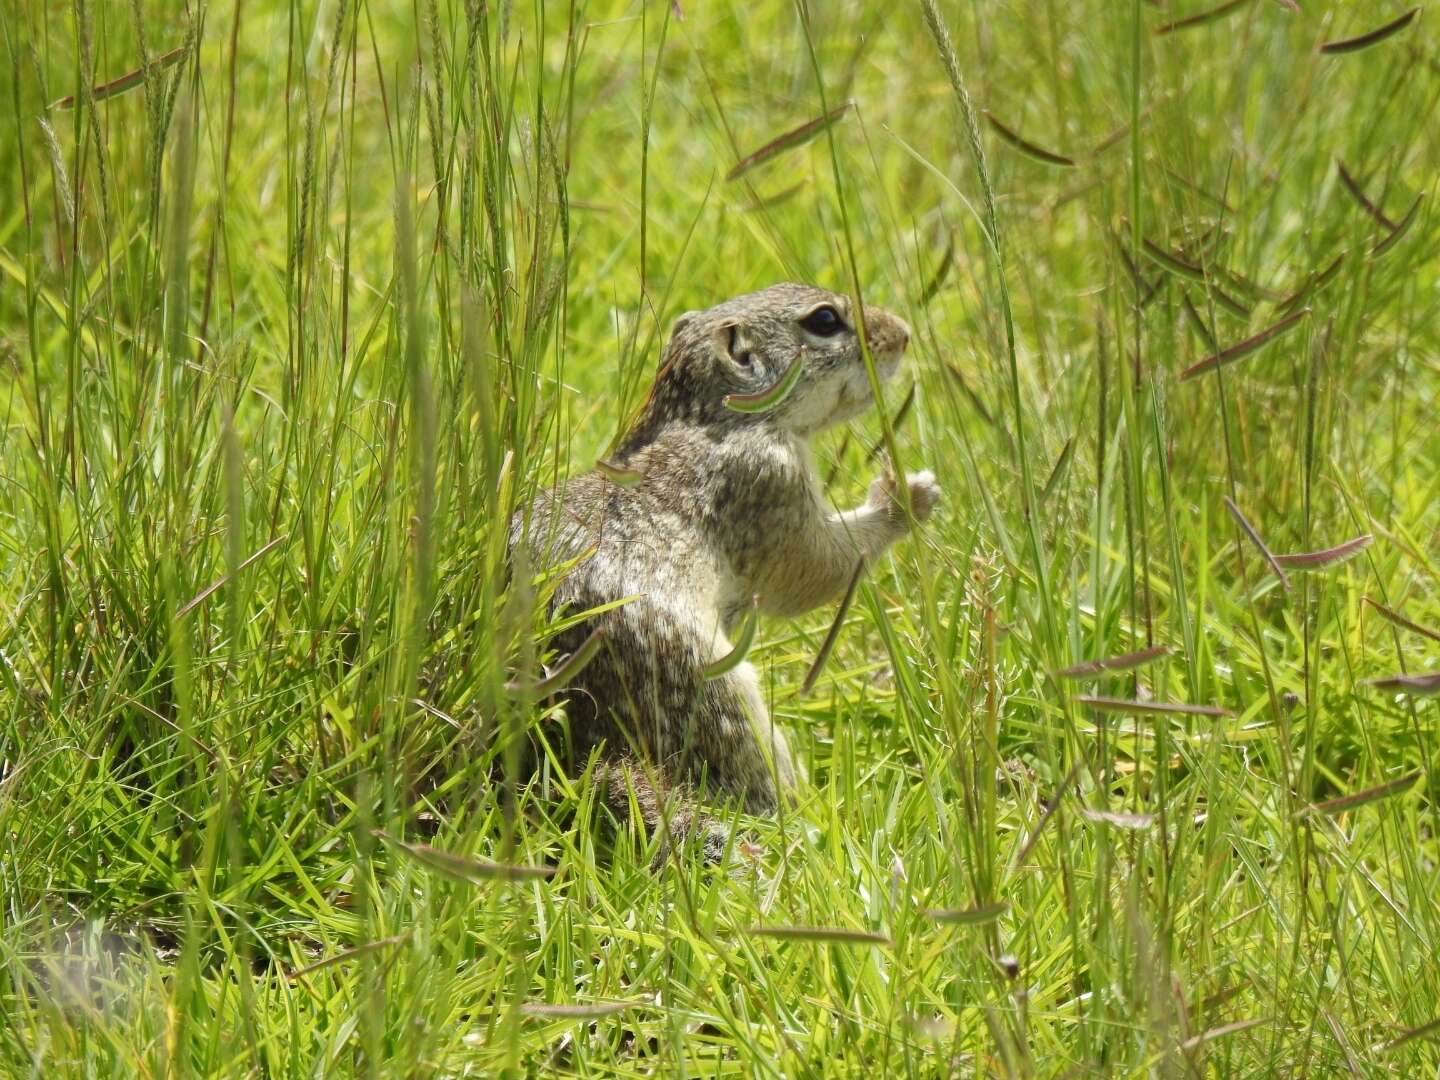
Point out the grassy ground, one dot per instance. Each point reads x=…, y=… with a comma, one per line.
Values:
x=289, y=327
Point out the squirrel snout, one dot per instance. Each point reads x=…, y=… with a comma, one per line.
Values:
x=903, y=329
x=887, y=333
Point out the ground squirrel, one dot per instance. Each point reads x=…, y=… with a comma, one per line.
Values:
x=705, y=508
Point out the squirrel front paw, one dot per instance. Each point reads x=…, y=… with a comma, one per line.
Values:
x=924, y=495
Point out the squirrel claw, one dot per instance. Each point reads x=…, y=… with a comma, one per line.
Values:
x=924, y=493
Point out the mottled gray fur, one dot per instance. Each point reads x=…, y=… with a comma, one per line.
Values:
x=727, y=508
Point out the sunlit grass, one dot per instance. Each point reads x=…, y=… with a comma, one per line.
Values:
x=291, y=323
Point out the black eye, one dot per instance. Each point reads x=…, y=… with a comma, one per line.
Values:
x=823, y=322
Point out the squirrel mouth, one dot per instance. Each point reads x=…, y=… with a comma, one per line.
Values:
x=848, y=401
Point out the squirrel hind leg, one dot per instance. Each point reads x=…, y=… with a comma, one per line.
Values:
x=634, y=790
x=748, y=756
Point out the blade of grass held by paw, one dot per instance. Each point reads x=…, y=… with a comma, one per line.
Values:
x=900, y=414
x=833, y=634
x=1025, y=146
x=1374, y=37
x=789, y=141
x=1319, y=560
x=1125, y=662
x=1331, y=807
x=1246, y=347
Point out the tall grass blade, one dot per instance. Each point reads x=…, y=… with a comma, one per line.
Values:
x=1124, y=662
x=971, y=916
x=128, y=81
x=463, y=868
x=1374, y=37
x=1256, y=539
x=1401, y=621
x=1313, y=283
x=789, y=141
x=350, y=954
x=1398, y=786
x=1150, y=708
x=597, y=1011
x=942, y=272
x=1397, y=233
x=1057, y=474
x=1358, y=194
x=1202, y=18
x=1132, y=822
x=1319, y=560
x=1173, y=262
x=1415, y=685
x=565, y=672
x=1210, y=1035
x=219, y=583
x=833, y=935
x=1247, y=347
x=1029, y=149
x=1421, y=1031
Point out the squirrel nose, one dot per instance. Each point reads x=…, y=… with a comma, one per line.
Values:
x=885, y=331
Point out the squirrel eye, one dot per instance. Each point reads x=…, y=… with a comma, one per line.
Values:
x=824, y=321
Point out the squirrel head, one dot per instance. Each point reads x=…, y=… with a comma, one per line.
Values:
x=746, y=345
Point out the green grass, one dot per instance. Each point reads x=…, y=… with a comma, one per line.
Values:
x=292, y=325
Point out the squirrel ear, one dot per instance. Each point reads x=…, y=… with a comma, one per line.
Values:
x=682, y=324
x=734, y=339
x=679, y=327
